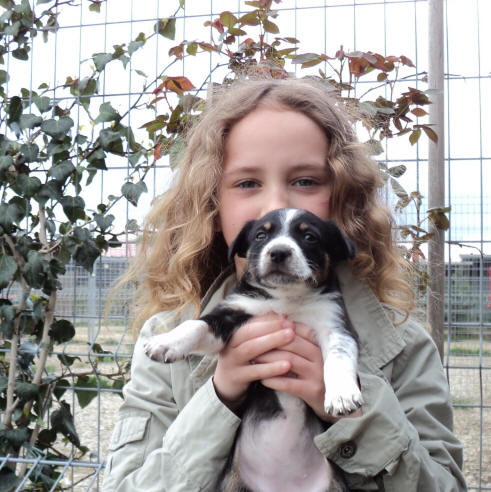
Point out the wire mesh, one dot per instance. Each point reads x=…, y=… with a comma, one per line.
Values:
x=389, y=27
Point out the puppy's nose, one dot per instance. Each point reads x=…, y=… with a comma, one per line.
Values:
x=279, y=255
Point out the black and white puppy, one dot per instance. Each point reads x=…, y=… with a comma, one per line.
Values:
x=290, y=255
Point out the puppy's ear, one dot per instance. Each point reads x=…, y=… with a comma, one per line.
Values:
x=241, y=243
x=338, y=247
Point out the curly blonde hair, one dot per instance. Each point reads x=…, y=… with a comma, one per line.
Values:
x=181, y=252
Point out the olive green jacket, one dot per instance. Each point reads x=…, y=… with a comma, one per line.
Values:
x=174, y=434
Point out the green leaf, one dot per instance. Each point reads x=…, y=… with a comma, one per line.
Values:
x=228, y=19
x=86, y=254
x=304, y=58
x=74, y=207
x=95, y=7
x=8, y=268
x=398, y=189
x=21, y=53
x=14, y=211
x=61, y=171
x=137, y=43
x=14, y=110
x=397, y=171
x=35, y=269
x=8, y=479
x=26, y=186
x=4, y=77
x=15, y=437
x=49, y=191
x=104, y=221
x=101, y=60
x=43, y=103
x=84, y=396
x=46, y=438
x=56, y=128
x=61, y=331
x=107, y=113
x=166, y=27
x=66, y=360
x=270, y=27
x=30, y=151
x=29, y=121
x=374, y=147
x=5, y=162
x=7, y=315
x=132, y=191
x=192, y=48
x=111, y=141
x=414, y=137
x=63, y=384
x=62, y=421
x=26, y=391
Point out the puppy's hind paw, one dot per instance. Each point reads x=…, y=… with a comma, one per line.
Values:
x=343, y=402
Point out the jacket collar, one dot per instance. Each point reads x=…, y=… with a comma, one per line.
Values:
x=381, y=339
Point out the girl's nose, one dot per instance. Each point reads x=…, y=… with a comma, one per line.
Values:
x=277, y=197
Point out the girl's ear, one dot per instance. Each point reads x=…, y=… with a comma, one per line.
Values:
x=338, y=247
x=241, y=243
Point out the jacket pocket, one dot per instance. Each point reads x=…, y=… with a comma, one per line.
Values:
x=129, y=429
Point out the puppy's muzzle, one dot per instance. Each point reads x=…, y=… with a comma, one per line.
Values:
x=279, y=255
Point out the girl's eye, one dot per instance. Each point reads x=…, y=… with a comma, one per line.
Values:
x=304, y=182
x=261, y=235
x=309, y=237
x=247, y=184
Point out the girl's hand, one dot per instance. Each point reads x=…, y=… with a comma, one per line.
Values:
x=306, y=376
x=235, y=372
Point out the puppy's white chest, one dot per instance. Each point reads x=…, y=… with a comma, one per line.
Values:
x=280, y=455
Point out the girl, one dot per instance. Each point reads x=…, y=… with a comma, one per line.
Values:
x=263, y=145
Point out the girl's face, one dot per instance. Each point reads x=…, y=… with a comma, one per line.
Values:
x=273, y=158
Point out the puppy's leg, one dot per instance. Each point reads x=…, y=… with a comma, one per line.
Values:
x=340, y=352
x=193, y=336
x=207, y=335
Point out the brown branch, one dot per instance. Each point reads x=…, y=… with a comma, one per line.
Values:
x=12, y=404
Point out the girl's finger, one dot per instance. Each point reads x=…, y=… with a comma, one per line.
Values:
x=253, y=348
x=303, y=347
x=299, y=365
x=258, y=372
x=259, y=326
x=306, y=332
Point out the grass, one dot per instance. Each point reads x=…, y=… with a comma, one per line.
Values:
x=466, y=351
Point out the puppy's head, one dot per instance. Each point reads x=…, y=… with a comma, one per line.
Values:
x=291, y=246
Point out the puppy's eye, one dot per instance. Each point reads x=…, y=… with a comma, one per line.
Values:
x=261, y=235
x=309, y=237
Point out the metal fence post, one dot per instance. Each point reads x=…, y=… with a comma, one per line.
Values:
x=436, y=174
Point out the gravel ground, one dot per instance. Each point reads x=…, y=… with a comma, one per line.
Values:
x=469, y=423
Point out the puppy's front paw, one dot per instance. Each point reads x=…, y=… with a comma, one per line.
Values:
x=162, y=348
x=342, y=397
x=178, y=343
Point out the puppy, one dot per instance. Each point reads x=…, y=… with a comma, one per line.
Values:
x=290, y=255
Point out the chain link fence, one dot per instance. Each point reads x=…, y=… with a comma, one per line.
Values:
x=104, y=345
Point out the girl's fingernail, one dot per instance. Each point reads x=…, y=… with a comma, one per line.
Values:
x=289, y=325
x=288, y=332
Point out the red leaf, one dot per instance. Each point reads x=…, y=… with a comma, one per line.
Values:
x=157, y=151
x=178, y=84
x=419, y=112
x=406, y=61
x=430, y=133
